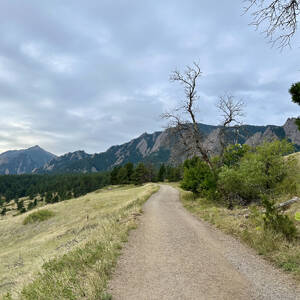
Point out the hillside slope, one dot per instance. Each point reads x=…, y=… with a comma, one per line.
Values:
x=84, y=236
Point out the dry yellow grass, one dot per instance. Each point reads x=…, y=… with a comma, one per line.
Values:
x=296, y=156
x=25, y=248
x=272, y=246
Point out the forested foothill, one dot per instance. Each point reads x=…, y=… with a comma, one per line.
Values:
x=26, y=191
x=20, y=193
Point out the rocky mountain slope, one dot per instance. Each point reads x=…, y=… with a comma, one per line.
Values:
x=24, y=161
x=164, y=147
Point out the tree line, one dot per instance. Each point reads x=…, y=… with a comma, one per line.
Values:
x=142, y=173
x=48, y=188
x=60, y=187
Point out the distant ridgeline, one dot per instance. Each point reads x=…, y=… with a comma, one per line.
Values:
x=156, y=148
x=163, y=147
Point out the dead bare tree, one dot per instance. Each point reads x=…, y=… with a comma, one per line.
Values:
x=188, y=130
x=280, y=18
x=231, y=110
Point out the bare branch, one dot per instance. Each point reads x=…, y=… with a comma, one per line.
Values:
x=189, y=131
x=232, y=110
x=280, y=18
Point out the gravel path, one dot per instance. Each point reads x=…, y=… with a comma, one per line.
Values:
x=173, y=255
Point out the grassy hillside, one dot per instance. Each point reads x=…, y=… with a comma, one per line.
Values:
x=74, y=249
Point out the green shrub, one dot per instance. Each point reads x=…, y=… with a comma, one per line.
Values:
x=278, y=222
x=198, y=177
x=260, y=172
x=275, y=168
x=7, y=296
x=38, y=216
x=234, y=153
x=244, y=183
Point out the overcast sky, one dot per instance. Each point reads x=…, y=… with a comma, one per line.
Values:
x=91, y=74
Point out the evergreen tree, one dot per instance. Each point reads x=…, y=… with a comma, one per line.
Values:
x=9, y=195
x=130, y=169
x=140, y=174
x=3, y=212
x=69, y=195
x=30, y=205
x=198, y=177
x=295, y=93
x=48, y=197
x=173, y=174
x=20, y=205
x=122, y=177
x=114, y=175
x=162, y=173
x=23, y=210
x=151, y=173
x=55, y=199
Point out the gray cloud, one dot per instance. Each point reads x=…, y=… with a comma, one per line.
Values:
x=87, y=75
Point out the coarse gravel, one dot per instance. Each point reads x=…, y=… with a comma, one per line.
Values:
x=173, y=255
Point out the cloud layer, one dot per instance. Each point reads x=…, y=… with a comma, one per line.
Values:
x=87, y=75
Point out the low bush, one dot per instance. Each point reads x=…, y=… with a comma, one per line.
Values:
x=198, y=177
x=263, y=171
x=38, y=216
x=244, y=183
x=278, y=222
x=234, y=153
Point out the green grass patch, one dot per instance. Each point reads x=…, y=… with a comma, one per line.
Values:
x=39, y=216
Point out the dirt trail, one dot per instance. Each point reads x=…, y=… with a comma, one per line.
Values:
x=172, y=255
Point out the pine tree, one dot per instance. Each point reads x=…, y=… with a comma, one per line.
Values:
x=295, y=93
x=20, y=205
x=30, y=205
x=48, y=197
x=3, y=212
x=130, y=169
x=122, y=176
x=140, y=174
x=55, y=199
x=162, y=173
x=114, y=175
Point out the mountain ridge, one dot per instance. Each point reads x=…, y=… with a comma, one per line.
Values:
x=163, y=147
x=156, y=148
x=24, y=161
